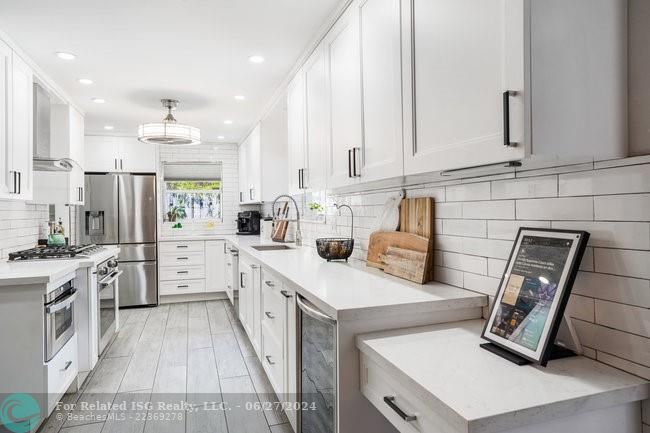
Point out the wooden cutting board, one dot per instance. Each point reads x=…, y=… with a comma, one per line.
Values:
x=381, y=241
x=416, y=216
x=407, y=264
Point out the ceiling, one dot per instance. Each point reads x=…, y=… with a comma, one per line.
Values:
x=139, y=51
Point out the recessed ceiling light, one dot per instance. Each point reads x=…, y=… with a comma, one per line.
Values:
x=221, y=137
x=256, y=59
x=65, y=56
x=227, y=122
x=109, y=127
x=99, y=100
x=85, y=81
x=240, y=97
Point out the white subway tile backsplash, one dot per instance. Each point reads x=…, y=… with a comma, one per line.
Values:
x=463, y=262
x=635, y=320
x=474, y=228
x=627, y=207
x=533, y=187
x=624, y=345
x=448, y=243
x=481, y=283
x=628, y=235
x=496, y=267
x=630, y=179
x=581, y=307
x=632, y=291
x=625, y=365
x=469, y=192
x=566, y=208
x=490, y=210
x=487, y=247
x=448, y=276
x=448, y=210
x=508, y=229
x=587, y=263
x=622, y=262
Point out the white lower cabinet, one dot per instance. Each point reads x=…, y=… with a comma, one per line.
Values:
x=191, y=267
x=267, y=310
x=61, y=371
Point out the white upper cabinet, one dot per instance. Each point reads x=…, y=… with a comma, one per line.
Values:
x=243, y=175
x=514, y=80
x=6, y=181
x=296, y=132
x=381, y=66
x=345, y=144
x=20, y=148
x=119, y=154
x=317, y=121
x=467, y=54
x=250, y=168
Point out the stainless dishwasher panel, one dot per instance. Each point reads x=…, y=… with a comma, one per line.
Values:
x=138, y=284
x=317, y=358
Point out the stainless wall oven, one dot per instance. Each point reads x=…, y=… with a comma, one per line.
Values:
x=317, y=360
x=59, y=318
x=108, y=275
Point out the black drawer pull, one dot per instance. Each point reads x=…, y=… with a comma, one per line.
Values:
x=506, y=118
x=182, y=272
x=269, y=283
x=184, y=286
x=390, y=401
x=181, y=246
x=286, y=294
x=182, y=258
x=269, y=315
x=268, y=359
x=67, y=365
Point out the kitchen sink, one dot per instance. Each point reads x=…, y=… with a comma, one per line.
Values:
x=271, y=247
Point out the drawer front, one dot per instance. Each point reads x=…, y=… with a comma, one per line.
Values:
x=181, y=287
x=182, y=273
x=61, y=371
x=272, y=359
x=272, y=298
x=377, y=383
x=180, y=247
x=182, y=259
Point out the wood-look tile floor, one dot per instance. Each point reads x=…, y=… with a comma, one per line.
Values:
x=194, y=352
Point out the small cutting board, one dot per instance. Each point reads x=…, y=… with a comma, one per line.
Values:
x=381, y=241
x=407, y=264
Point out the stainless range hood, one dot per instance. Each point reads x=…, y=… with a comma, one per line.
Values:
x=43, y=160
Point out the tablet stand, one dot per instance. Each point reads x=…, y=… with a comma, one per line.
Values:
x=566, y=344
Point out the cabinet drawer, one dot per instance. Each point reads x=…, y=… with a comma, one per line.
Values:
x=272, y=297
x=377, y=383
x=272, y=359
x=61, y=371
x=176, y=247
x=182, y=272
x=182, y=259
x=182, y=287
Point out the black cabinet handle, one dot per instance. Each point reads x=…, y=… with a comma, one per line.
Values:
x=241, y=280
x=269, y=315
x=115, y=161
x=349, y=162
x=250, y=193
x=269, y=283
x=390, y=401
x=268, y=359
x=67, y=365
x=182, y=272
x=181, y=246
x=286, y=294
x=506, y=117
x=20, y=182
x=182, y=258
x=183, y=286
x=354, y=162
x=121, y=167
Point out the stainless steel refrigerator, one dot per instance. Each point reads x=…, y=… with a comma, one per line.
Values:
x=120, y=210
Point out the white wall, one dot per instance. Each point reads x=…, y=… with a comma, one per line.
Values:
x=19, y=224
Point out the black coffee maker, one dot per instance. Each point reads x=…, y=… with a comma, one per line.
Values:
x=248, y=222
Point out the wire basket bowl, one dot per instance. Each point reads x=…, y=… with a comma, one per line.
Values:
x=335, y=248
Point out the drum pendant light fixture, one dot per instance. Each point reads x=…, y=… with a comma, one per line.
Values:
x=168, y=131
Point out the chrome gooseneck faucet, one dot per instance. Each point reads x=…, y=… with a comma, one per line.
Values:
x=298, y=232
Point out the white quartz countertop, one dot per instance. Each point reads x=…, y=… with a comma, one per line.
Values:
x=48, y=271
x=479, y=392
x=350, y=291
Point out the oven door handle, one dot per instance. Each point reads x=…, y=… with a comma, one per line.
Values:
x=111, y=278
x=63, y=303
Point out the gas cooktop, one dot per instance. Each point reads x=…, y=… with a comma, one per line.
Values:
x=63, y=252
